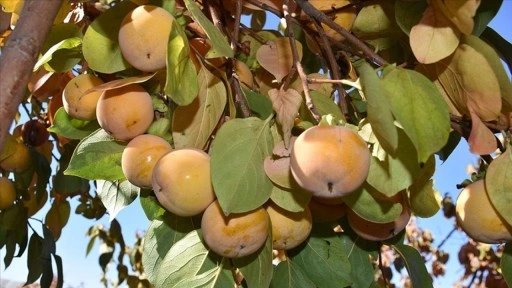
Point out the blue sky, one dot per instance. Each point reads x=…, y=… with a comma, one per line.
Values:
x=82, y=271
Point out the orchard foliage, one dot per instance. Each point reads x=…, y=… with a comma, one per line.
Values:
x=404, y=81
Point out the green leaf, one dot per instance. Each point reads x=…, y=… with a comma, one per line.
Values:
x=183, y=261
x=181, y=83
x=68, y=127
x=506, y=263
x=331, y=267
x=257, y=267
x=419, y=107
x=62, y=59
x=101, y=45
x=484, y=14
x=424, y=199
x=294, y=200
x=499, y=185
x=241, y=145
x=161, y=235
x=415, y=266
x=378, y=108
x=409, y=13
x=259, y=104
x=193, y=124
x=68, y=44
x=220, y=46
x=287, y=274
x=150, y=205
x=360, y=251
x=325, y=105
x=365, y=203
x=34, y=261
x=116, y=195
x=60, y=270
x=97, y=156
x=397, y=171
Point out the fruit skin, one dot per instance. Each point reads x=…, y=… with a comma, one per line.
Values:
x=344, y=17
x=140, y=156
x=289, y=229
x=34, y=133
x=7, y=193
x=324, y=212
x=330, y=161
x=236, y=235
x=478, y=218
x=378, y=231
x=125, y=112
x=77, y=103
x=144, y=35
x=19, y=161
x=181, y=182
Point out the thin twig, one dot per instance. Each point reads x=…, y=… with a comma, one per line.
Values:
x=321, y=17
x=298, y=65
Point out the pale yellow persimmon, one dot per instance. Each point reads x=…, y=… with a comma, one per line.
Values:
x=289, y=229
x=478, y=218
x=236, y=235
x=7, y=193
x=342, y=12
x=181, y=182
x=78, y=101
x=125, y=112
x=330, y=161
x=144, y=35
x=140, y=156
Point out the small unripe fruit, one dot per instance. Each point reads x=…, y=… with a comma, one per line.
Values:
x=140, y=157
x=330, y=161
x=144, y=35
x=7, y=193
x=289, y=229
x=182, y=183
x=236, y=235
x=478, y=218
x=78, y=101
x=125, y=112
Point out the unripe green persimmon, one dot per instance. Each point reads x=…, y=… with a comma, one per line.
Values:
x=125, y=112
x=77, y=103
x=140, y=157
x=236, y=235
x=181, y=182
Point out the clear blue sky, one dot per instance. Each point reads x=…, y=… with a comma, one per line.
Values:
x=81, y=271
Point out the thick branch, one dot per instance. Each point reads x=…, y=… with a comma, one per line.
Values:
x=19, y=56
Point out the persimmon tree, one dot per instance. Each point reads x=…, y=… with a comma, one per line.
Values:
x=309, y=146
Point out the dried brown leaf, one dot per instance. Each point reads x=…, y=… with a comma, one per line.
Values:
x=460, y=12
x=286, y=104
x=481, y=140
x=277, y=58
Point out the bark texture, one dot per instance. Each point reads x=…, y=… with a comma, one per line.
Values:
x=19, y=56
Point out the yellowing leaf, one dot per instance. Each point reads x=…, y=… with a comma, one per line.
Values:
x=434, y=38
x=277, y=58
x=481, y=140
x=193, y=124
x=286, y=104
x=121, y=83
x=460, y=12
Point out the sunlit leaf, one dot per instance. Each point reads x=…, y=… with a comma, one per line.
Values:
x=459, y=12
x=220, y=46
x=433, y=38
x=193, y=124
x=420, y=109
x=66, y=126
x=289, y=274
x=424, y=200
x=69, y=44
x=286, y=104
x=498, y=184
x=61, y=50
x=97, y=156
x=181, y=82
x=244, y=186
x=325, y=105
x=277, y=58
x=481, y=139
x=114, y=84
x=116, y=195
x=294, y=200
x=415, y=266
x=100, y=44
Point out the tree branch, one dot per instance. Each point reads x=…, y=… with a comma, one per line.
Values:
x=19, y=56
